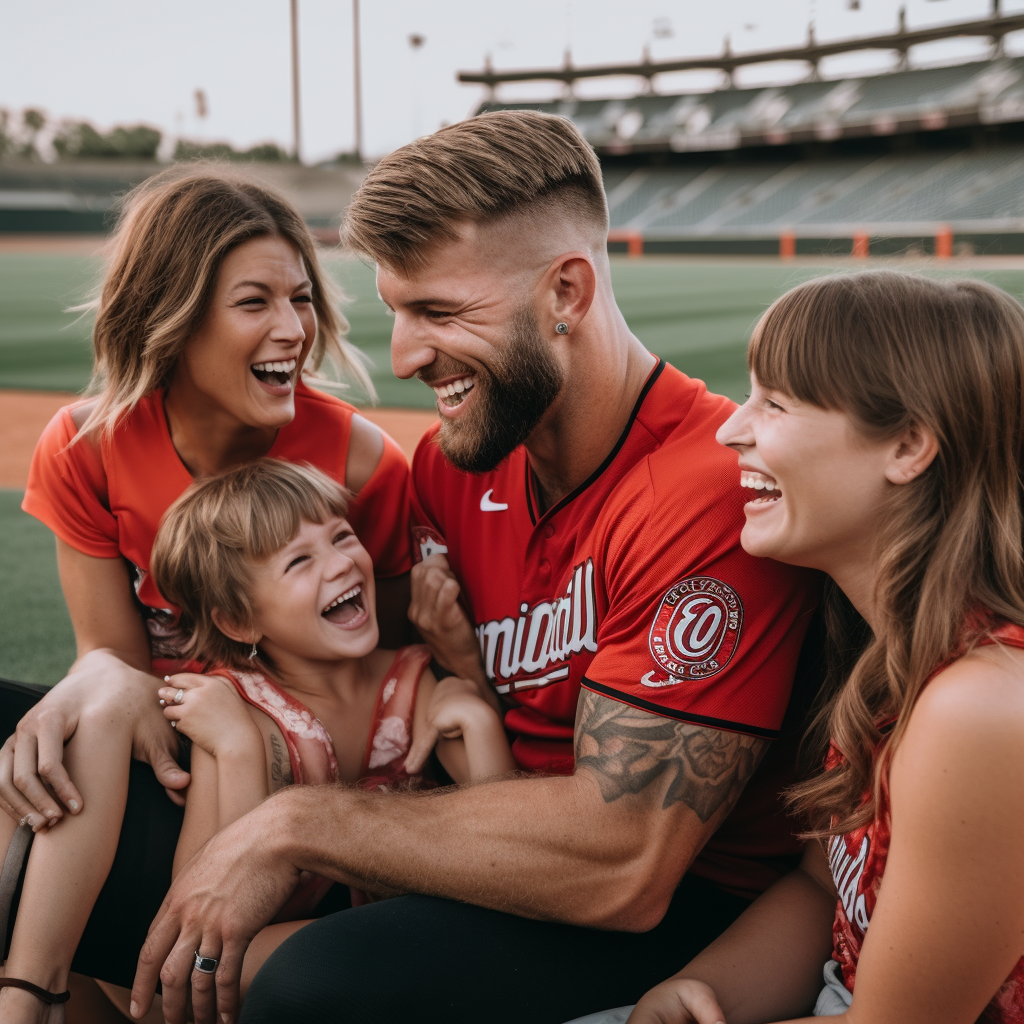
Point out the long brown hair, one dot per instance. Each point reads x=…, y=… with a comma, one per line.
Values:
x=173, y=235
x=894, y=350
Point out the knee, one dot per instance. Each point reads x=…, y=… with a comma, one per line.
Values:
x=316, y=975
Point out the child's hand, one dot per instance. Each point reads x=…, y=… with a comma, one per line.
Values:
x=678, y=1001
x=209, y=712
x=454, y=706
x=439, y=618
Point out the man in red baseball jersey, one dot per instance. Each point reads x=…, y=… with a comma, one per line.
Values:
x=580, y=534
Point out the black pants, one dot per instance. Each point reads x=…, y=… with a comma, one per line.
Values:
x=416, y=958
x=411, y=958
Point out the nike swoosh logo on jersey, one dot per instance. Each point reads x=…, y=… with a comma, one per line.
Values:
x=486, y=505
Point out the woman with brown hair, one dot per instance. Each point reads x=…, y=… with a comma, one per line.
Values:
x=884, y=442
x=213, y=309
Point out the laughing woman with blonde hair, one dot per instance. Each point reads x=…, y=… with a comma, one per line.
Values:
x=884, y=438
x=214, y=314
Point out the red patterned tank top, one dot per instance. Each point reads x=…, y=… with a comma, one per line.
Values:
x=311, y=751
x=857, y=860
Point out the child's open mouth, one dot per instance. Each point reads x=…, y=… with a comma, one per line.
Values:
x=275, y=376
x=346, y=608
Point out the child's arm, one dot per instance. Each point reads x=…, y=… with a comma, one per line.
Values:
x=470, y=738
x=229, y=775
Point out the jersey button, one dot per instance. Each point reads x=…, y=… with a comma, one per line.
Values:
x=549, y=531
x=545, y=567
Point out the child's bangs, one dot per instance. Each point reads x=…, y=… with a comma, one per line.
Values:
x=279, y=497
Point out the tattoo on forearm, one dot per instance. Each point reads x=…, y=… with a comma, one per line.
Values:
x=281, y=765
x=631, y=751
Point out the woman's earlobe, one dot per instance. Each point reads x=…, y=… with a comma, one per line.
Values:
x=914, y=452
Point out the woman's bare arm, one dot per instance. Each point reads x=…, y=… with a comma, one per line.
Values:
x=948, y=927
x=767, y=965
x=97, y=592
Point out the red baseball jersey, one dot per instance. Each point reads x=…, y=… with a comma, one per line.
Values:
x=634, y=586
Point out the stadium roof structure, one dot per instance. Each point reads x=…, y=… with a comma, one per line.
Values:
x=994, y=27
x=927, y=99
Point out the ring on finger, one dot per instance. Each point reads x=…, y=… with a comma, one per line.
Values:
x=179, y=696
x=205, y=964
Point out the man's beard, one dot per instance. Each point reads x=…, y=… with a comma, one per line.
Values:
x=509, y=397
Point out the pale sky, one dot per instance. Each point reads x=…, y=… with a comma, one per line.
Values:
x=126, y=61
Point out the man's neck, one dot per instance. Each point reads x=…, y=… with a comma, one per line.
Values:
x=588, y=419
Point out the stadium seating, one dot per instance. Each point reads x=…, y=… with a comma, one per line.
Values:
x=891, y=194
x=926, y=99
x=718, y=191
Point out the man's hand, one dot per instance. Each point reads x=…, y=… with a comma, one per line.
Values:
x=441, y=621
x=219, y=901
x=33, y=781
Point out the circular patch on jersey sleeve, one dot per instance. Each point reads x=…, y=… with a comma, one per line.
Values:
x=428, y=542
x=695, y=632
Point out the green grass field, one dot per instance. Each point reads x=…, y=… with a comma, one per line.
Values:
x=697, y=315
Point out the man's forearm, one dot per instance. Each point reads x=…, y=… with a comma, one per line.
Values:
x=546, y=848
x=605, y=847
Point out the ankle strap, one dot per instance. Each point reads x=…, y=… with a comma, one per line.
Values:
x=39, y=993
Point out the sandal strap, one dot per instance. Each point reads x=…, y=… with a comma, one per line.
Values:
x=36, y=990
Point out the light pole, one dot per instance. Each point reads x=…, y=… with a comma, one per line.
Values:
x=358, y=91
x=296, y=114
x=416, y=41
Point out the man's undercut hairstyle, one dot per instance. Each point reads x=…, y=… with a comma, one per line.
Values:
x=210, y=537
x=480, y=170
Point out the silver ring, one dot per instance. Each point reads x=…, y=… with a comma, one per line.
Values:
x=179, y=696
x=205, y=964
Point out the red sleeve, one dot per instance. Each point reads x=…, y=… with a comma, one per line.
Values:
x=428, y=537
x=696, y=629
x=67, y=490
x=380, y=515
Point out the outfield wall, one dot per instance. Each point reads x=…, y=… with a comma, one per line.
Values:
x=963, y=244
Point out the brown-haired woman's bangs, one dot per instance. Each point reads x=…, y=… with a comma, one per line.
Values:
x=797, y=346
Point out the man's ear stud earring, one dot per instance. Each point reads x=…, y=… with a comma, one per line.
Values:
x=562, y=327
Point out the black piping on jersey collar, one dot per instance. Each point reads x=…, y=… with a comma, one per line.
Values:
x=679, y=716
x=654, y=375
